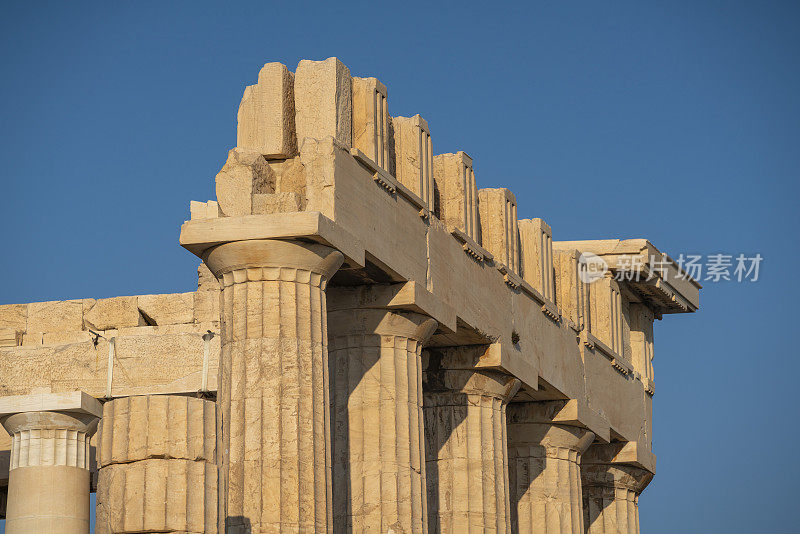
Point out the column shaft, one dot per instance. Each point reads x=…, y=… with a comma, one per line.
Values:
x=611, y=497
x=273, y=406
x=379, y=455
x=466, y=452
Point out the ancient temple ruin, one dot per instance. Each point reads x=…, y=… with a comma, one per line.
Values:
x=375, y=345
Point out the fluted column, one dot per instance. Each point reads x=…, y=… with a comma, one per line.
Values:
x=157, y=466
x=379, y=453
x=466, y=453
x=544, y=469
x=48, y=486
x=273, y=401
x=611, y=494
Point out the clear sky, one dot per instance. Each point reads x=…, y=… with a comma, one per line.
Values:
x=674, y=121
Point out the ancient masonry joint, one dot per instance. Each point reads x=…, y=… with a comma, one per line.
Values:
x=374, y=345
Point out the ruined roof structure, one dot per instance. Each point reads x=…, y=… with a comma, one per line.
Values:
x=375, y=345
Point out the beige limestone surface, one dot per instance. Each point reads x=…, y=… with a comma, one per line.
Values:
x=457, y=196
x=323, y=100
x=266, y=114
x=413, y=153
x=158, y=469
x=245, y=174
x=378, y=439
x=371, y=120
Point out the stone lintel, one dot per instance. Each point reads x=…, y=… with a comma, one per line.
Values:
x=592, y=342
x=573, y=412
x=200, y=235
x=625, y=453
x=409, y=296
x=74, y=401
x=503, y=357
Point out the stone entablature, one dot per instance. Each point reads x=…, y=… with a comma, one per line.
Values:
x=328, y=204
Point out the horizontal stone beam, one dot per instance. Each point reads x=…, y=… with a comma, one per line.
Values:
x=625, y=453
x=202, y=234
x=71, y=401
x=409, y=296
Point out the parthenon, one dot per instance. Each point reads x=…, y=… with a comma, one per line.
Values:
x=375, y=345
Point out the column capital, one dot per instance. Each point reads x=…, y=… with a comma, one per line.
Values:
x=74, y=410
x=572, y=412
x=618, y=465
x=198, y=236
x=50, y=429
x=31, y=421
x=621, y=476
x=552, y=437
x=494, y=384
x=407, y=296
x=621, y=453
x=263, y=259
x=381, y=322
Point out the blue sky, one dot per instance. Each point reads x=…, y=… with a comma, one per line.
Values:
x=678, y=122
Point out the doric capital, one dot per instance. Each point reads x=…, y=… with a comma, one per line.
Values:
x=50, y=429
x=381, y=322
x=262, y=254
x=75, y=411
x=618, y=465
x=622, y=476
x=625, y=453
x=544, y=424
x=35, y=421
x=494, y=384
x=548, y=435
x=404, y=296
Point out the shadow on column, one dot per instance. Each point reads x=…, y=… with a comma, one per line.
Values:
x=516, y=492
x=341, y=366
x=237, y=524
x=5, y=462
x=433, y=382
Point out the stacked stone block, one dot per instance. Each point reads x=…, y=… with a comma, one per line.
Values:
x=158, y=470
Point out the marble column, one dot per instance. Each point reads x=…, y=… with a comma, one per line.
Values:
x=48, y=486
x=544, y=469
x=157, y=466
x=273, y=400
x=378, y=445
x=466, y=453
x=611, y=494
